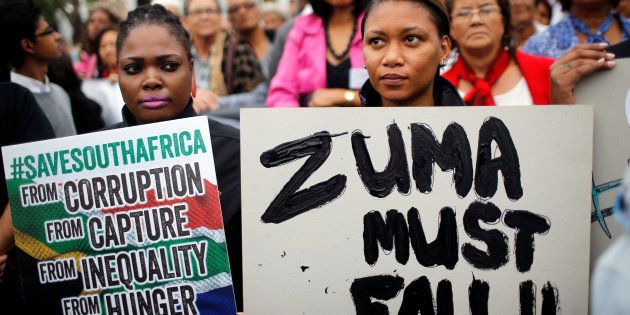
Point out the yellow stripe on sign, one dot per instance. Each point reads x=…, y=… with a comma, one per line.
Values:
x=33, y=247
x=40, y=251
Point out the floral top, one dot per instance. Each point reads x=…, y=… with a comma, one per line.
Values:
x=556, y=40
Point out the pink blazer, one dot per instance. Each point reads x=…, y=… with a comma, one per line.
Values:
x=302, y=68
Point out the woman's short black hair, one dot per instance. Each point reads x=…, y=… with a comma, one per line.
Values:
x=153, y=15
x=437, y=11
x=18, y=20
x=504, y=6
x=324, y=10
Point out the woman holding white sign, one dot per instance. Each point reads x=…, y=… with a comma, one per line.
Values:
x=403, y=55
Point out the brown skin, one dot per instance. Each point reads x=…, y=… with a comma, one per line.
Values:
x=7, y=240
x=543, y=14
x=523, y=12
x=153, y=62
x=107, y=52
x=624, y=8
x=593, y=13
x=578, y=63
x=98, y=20
x=246, y=22
x=39, y=51
x=244, y=15
x=402, y=55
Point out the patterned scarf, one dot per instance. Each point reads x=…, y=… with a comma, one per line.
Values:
x=597, y=37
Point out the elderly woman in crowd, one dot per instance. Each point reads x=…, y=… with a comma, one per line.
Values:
x=489, y=70
x=223, y=65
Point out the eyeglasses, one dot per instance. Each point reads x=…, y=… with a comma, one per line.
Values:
x=467, y=13
x=49, y=30
x=199, y=12
x=235, y=8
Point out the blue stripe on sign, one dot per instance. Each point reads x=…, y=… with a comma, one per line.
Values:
x=219, y=301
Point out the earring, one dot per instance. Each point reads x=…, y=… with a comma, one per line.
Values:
x=442, y=63
x=365, y=67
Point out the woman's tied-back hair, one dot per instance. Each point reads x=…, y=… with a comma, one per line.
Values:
x=436, y=9
x=153, y=15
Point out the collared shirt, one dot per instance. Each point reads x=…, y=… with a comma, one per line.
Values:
x=35, y=86
x=54, y=102
x=556, y=40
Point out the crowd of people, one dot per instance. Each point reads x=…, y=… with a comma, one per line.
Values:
x=202, y=59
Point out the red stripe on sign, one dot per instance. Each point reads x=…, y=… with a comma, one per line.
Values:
x=203, y=211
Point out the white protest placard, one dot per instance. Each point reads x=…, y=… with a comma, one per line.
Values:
x=607, y=91
x=344, y=210
x=125, y=221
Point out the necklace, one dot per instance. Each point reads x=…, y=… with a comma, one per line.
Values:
x=347, y=50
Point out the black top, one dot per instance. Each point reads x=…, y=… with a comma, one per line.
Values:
x=338, y=76
x=21, y=120
x=444, y=94
x=621, y=50
x=227, y=163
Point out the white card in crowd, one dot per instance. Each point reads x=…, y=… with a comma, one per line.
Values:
x=358, y=76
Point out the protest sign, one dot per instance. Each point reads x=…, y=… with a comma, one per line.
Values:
x=125, y=221
x=399, y=210
x=607, y=91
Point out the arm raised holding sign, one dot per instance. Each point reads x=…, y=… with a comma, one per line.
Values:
x=579, y=62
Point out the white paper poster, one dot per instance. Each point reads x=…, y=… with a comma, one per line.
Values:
x=376, y=210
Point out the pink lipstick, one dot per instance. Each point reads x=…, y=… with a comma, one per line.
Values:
x=154, y=101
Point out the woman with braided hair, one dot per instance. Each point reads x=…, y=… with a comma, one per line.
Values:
x=155, y=73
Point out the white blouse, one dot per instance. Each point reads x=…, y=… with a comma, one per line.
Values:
x=517, y=96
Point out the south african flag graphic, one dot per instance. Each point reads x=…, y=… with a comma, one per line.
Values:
x=141, y=238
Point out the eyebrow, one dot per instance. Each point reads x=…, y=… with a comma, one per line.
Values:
x=159, y=58
x=404, y=30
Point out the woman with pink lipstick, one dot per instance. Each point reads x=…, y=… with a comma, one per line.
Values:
x=490, y=71
x=155, y=73
x=403, y=55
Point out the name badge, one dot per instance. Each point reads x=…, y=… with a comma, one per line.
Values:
x=358, y=76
